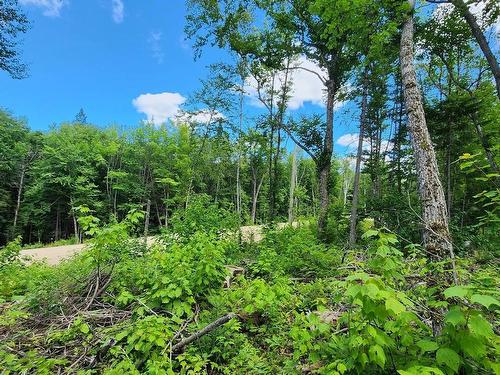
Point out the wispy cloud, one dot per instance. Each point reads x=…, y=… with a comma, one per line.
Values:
x=159, y=107
x=154, y=42
x=51, y=8
x=118, y=10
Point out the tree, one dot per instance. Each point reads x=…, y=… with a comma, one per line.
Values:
x=12, y=23
x=464, y=10
x=357, y=172
x=437, y=237
x=81, y=117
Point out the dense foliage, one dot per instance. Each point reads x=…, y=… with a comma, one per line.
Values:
x=388, y=263
x=121, y=307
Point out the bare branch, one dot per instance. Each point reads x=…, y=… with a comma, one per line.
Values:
x=310, y=71
x=298, y=143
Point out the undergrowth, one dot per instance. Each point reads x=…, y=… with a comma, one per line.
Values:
x=301, y=307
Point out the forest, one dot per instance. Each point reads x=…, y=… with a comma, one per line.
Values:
x=382, y=259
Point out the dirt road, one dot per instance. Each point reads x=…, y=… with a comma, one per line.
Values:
x=53, y=255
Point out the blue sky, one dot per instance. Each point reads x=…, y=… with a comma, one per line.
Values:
x=115, y=58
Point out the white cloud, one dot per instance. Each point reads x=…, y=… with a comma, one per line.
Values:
x=118, y=10
x=203, y=116
x=159, y=107
x=350, y=140
x=154, y=42
x=51, y=8
x=306, y=86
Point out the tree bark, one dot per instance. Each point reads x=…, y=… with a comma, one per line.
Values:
x=238, y=166
x=75, y=222
x=18, y=201
x=146, y=221
x=436, y=234
x=293, y=183
x=255, y=195
x=357, y=173
x=481, y=40
x=325, y=161
x=449, y=196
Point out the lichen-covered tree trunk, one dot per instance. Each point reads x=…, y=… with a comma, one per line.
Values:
x=434, y=213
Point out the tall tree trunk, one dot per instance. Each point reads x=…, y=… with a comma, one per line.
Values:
x=166, y=208
x=255, y=195
x=18, y=201
x=485, y=144
x=271, y=153
x=75, y=228
x=293, y=183
x=146, y=221
x=75, y=222
x=58, y=223
x=448, y=174
x=357, y=172
x=481, y=40
x=238, y=166
x=399, y=137
x=436, y=234
x=325, y=161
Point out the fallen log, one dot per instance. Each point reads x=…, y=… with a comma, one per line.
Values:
x=209, y=328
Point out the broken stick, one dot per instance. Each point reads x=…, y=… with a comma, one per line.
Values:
x=209, y=328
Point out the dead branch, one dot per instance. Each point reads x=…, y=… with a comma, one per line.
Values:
x=177, y=348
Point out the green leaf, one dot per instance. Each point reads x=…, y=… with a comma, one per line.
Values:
x=377, y=355
x=421, y=370
x=394, y=305
x=427, y=346
x=341, y=367
x=473, y=346
x=480, y=326
x=455, y=316
x=484, y=300
x=456, y=291
x=84, y=328
x=448, y=357
x=370, y=233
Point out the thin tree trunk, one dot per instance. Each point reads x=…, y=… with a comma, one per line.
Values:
x=293, y=183
x=58, y=225
x=271, y=153
x=448, y=175
x=75, y=222
x=255, y=197
x=238, y=167
x=481, y=40
x=399, y=139
x=325, y=161
x=166, y=209
x=158, y=214
x=18, y=201
x=357, y=173
x=436, y=234
x=486, y=145
x=146, y=221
